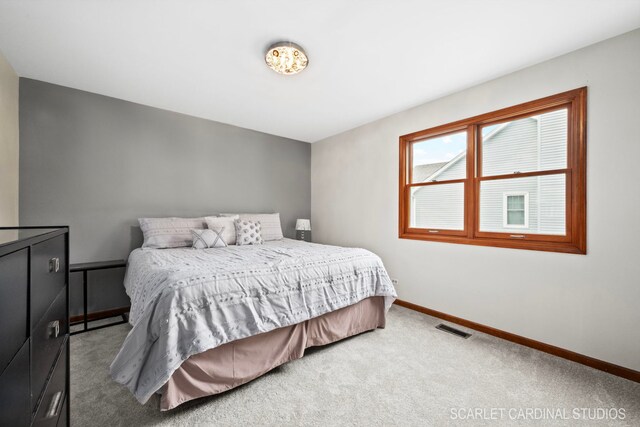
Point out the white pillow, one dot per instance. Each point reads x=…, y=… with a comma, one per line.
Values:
x=161, y=233
x=208, y=238
x=218, y=222
x=248, y=232
x=271, y=227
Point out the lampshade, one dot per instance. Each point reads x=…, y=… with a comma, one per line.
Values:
x=303, y=224
x=286, y=58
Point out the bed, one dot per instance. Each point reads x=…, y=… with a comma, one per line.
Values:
x=205, y=321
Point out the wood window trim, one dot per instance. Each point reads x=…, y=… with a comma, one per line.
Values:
x=574, y=240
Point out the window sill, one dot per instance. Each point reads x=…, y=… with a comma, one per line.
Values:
x=562, y=247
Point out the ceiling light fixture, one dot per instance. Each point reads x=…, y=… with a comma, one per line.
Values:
x=286, y=58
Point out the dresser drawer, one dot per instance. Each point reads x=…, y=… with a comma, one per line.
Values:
x=63, y=421
x=48, y=336
x=14, y=285
x=54, y=396
x=48, y=275
x=15, y=399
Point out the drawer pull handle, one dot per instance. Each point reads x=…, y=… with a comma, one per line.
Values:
x=54, y=406
x=54, y=328
x=517, y=236
x=54, y=265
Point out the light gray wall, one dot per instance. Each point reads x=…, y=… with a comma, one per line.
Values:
x=98, y=163
x=588, y=304
x=8, y=144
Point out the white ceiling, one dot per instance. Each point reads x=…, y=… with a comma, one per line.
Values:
x=367, y=59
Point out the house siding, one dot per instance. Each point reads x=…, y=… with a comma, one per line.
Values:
x=512, y=149
x=439, y=206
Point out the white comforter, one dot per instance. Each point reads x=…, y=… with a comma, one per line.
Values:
x=186, y=301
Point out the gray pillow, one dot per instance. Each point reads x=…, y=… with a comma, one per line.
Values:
x=248, y=232
x=208, y=238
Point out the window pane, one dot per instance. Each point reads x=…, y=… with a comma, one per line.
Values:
x=531, y=144
x=515, y=218
x=441, y=158
x=546, y=205
x=438, y=206
x=515, y=202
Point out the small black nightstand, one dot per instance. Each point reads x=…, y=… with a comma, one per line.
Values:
x=85, y=268
x=303, y=235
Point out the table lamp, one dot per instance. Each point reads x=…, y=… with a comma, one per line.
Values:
x=303, y=230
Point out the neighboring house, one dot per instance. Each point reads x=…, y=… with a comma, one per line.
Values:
x=515, y=205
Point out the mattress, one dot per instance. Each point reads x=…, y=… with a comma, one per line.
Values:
x=185, y=301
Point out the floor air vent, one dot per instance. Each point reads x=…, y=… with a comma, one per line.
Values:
x=454, y=331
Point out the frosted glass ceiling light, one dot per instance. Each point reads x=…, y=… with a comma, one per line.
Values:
x=286, y=58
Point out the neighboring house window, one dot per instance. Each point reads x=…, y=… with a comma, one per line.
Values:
x=515, y=210
x=513, y=178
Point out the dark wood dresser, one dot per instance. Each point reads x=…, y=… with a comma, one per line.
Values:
x=34, y=326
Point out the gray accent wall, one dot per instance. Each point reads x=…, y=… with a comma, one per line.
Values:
x=97, y=164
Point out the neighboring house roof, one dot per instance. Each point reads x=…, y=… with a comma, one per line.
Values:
x=422, y=172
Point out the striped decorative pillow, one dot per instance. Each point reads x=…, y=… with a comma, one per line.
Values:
x=161, y=233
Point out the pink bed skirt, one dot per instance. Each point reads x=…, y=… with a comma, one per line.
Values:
x=230, y=365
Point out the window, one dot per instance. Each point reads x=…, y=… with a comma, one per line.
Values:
x=512, y=178
x=515, y=210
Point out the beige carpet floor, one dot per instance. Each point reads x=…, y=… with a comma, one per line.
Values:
x=407, y=374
